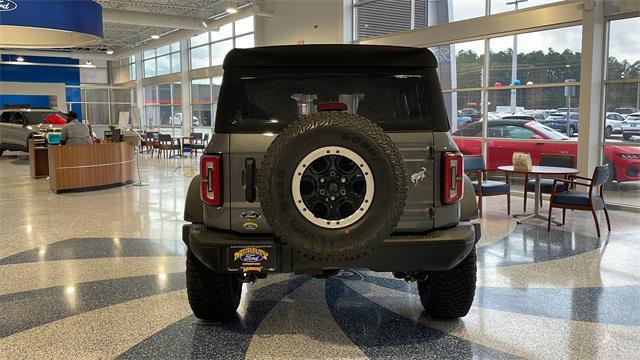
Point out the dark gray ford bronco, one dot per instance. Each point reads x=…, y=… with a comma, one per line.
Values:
x=328, y=157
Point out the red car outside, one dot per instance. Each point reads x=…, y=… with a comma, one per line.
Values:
x=624, y=160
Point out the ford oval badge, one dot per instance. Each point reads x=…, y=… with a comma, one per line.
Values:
x=250, y=215
x=7, y=5
x=251, y=258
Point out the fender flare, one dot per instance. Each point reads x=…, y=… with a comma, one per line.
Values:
x=468, y=204
x=193, y=208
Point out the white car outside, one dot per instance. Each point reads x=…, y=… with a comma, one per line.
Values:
x=631, y=126
x=613, y=123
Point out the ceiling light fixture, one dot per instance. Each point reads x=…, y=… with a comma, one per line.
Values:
x=231, y=10
x=204, y=23
x=109, y=52
x=155, y=36
x=20, y=58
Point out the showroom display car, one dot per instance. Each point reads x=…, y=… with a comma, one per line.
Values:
x=328, y=157
x=624, y=161
x=17, y=126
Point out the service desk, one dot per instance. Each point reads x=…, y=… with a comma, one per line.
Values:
x=90, y=167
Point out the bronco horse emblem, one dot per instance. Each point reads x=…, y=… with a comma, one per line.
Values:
x=419, y=176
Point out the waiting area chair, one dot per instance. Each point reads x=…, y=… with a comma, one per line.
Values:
x=581, y=200
x=558, y=160
x=167, y=145
x=474, y=166
x=199, y=142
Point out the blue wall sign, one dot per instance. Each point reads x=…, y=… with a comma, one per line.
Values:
x=7, y=5
x=29, y=23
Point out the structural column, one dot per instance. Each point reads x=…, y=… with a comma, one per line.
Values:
x=187, y=116
x=591, y=86
x=140, y=92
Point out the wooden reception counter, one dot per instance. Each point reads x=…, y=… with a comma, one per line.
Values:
x=89, y=167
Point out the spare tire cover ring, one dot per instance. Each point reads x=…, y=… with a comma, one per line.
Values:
x=360, y=208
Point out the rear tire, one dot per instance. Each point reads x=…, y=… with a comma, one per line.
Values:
x=572, y=132
x=607, y=132
x=212, y=296
x=449, y=294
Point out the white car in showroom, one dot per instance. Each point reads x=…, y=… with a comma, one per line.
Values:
x=631, y=126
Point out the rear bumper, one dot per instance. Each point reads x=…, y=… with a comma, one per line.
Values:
x=436, y=250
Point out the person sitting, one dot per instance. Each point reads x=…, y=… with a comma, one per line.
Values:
x=75, y=132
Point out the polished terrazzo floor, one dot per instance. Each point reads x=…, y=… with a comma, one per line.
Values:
x=100, y=275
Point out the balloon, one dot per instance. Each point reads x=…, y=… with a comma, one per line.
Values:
x=497, y=84
x=529, y=82
x=516, y=82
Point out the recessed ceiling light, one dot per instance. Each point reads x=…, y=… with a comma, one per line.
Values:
x=109, y=52
x=231, y=10
x=204, y=23
x=155, y=36
x=20, y=58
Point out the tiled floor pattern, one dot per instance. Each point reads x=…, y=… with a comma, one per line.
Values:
x=101, y=275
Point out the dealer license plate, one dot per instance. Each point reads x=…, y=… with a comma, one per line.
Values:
x=252, y=258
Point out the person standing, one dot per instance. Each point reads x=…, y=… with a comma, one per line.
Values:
x=75, y=132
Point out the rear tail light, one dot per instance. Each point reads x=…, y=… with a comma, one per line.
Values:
x=211, y=175
x=452, y=170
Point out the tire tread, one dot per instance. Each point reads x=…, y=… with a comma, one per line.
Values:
x=449, y=294
x=212, y=296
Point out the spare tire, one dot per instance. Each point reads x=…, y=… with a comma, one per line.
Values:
x=333, y=186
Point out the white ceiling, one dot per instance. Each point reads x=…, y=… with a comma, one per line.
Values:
x=121, y=36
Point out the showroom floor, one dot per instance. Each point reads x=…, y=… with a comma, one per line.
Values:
x=101, y=275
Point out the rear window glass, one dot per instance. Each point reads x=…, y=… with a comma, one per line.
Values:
x=393, y=101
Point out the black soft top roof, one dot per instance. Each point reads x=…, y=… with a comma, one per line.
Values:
x=330, y=56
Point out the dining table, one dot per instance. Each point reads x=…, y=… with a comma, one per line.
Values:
x=537, y=172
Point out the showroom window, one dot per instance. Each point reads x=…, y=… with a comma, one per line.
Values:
x=210, y=48
x=163, y=108
x=123, y=70
x=500, y=6
x=527, y=88
x=620, y=127
x=204, y=102
x=132, y=67
x=101, y=106
x=161, y=61
x=382, y=17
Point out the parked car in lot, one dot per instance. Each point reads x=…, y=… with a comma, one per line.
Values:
x=462, y=121
x=613, y=124
x=631, y=126
x=177, y=120
x=626, y=111
x=623, y=160
x=558, y=121
x=473, y=113
x=17, y=126
x=519, y=117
